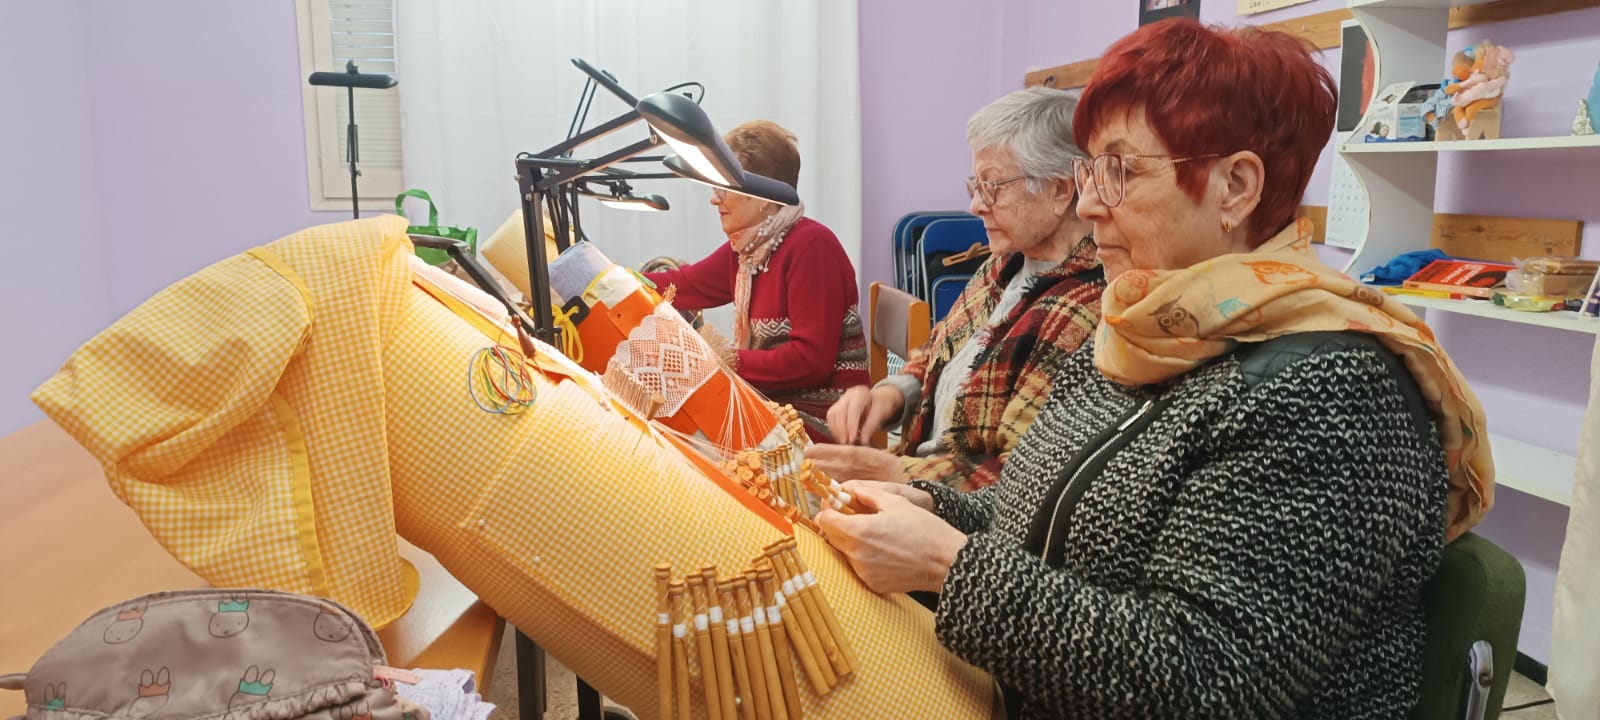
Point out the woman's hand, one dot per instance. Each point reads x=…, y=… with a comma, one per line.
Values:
x=898, y=545
x=862, y=411
x=853, y=462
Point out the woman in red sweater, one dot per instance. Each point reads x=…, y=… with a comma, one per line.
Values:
x=797, y=331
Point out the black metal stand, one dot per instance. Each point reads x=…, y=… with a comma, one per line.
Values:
x=350, y=152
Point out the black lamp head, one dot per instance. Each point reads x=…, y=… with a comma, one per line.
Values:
x=353, y=79
x=760, y=187
x=685, y=127
x=622, y=197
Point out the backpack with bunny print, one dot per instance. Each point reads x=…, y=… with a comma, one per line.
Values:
x=216, y=654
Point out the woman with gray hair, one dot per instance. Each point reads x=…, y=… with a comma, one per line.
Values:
x=965, y=397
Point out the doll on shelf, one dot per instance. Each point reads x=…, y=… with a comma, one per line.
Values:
x=1481, y=73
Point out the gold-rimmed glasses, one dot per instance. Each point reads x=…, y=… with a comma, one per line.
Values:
x=987, y=190
x=1108, y=172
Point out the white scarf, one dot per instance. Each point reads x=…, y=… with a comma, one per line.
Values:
x=755, y=246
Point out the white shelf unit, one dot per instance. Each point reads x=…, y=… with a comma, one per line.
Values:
x=1560, y=142
x=1409, y=38
x=1534, y=470
x=1427, y=4
x=1560, y=320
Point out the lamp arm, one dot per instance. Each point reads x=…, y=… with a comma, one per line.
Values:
x=560, y=176
x=462, y=254
x=606, y=81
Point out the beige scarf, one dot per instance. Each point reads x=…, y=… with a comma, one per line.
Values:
x=1157, y=325
x=754, y=246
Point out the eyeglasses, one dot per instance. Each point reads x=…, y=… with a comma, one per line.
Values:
x=1109, y=172
x=986, y=190
x=719, y=194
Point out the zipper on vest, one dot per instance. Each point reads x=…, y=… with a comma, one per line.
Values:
x=1108, y=441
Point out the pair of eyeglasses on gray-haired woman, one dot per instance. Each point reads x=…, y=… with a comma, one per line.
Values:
x=1109, y=172
x=988, y=190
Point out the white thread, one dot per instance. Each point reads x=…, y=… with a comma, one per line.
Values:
x=780, y=600
x=809, y=578
x=733, y=627
x=716, y=614
x=761, y=615
x=700, y=624
x=773, y=617
x=663, y=619
x=679, y=631
x=789, y=587
x=747, y=625
x=844, y=499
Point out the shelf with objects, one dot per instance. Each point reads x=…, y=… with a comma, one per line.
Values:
x=1399, y=179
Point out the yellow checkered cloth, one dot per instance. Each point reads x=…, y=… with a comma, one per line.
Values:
x=200, y=403
x=555, y=517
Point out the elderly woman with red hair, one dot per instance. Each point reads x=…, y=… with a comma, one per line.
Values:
x=1231, y=501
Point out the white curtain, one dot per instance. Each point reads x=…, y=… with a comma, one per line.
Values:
x=481, y=80
x=1574, y=663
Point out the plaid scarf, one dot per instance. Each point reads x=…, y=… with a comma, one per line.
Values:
x=1012, y=376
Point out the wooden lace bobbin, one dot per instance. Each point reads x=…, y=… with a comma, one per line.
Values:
x=702, y=639
x=663, y=573
x=760, y=696
x=819, y=600
x=741, y=668
x=778, y=627
x=769, y=663
x=808, y=601
x=719, y=645
x=680, y=655
x=809, y=636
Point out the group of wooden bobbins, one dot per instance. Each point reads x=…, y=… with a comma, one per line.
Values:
x=797, y=490
x=742, y=630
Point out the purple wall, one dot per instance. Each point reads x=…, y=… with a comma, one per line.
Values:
x=925, y=67
x=148, y=152
x=199, y=136
x=55, y=293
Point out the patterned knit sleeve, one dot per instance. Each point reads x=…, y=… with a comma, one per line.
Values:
x=967, y=512
x=1270, y=563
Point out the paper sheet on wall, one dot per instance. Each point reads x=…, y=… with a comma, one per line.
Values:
x=1251, y=7
x=1347, y=206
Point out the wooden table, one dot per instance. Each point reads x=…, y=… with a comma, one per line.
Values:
x=68, y=547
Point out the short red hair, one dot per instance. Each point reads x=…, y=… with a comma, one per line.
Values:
x=1207, y=90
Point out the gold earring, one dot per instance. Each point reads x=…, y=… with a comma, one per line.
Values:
x=1227, y=225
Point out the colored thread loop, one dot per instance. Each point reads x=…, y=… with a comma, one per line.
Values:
x=499, y=382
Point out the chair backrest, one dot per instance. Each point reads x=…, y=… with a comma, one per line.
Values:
x=945, y=237
x=898, y=322
x=1476, y=595
x=944, y=293
x=907, y=231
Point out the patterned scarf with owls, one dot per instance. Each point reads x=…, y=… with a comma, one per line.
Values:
x=1158, y=325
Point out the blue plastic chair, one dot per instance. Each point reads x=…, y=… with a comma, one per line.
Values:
x=944, y=293
x=908, y=270
x=944, y=237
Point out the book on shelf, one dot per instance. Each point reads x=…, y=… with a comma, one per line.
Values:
x=1472, y=278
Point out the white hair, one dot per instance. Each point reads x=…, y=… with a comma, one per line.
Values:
x=1036, y=126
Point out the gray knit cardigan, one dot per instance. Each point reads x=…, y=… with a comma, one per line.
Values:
x=1254, y=546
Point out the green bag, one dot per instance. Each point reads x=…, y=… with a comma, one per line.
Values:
x=467, y=235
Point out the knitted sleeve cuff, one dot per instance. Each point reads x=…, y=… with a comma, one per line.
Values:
x=911, y=388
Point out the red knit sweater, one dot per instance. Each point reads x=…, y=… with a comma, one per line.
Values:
x=806, y=341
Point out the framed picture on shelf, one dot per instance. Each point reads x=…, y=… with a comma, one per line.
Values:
x=1153, y=10
x=1358, y=72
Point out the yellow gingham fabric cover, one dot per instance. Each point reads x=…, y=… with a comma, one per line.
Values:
x=555, y=517
x=200, y=400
